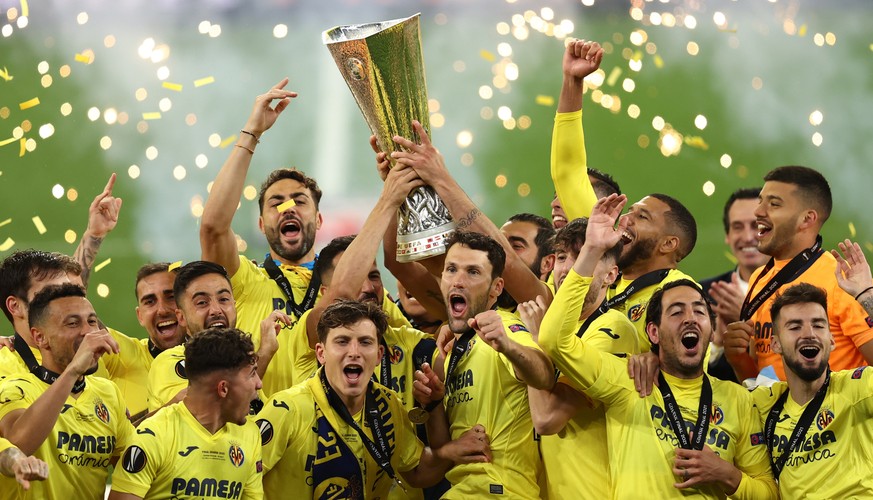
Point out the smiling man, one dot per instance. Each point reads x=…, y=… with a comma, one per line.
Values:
x=818, y=424
x=793, y=206
x=204, y=446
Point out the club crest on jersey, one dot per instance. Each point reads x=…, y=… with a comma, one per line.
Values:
x=636, y=312
x=717, y=415
x=395, y=354
x=236, y=455
x=825, y=417
x=266, y=429
x=101, y=411
x=134, y=459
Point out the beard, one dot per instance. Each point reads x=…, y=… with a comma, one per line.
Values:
x=808, y=374
x=307, y=241
x=639, y=250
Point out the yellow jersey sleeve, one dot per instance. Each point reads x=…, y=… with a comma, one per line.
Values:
x=167, y=377
x=294, y=361
x=129, y=369
x=569, y=166
x=283, y=423
x=408, y=348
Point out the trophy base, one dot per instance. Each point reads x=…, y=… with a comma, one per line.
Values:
x=421, y=245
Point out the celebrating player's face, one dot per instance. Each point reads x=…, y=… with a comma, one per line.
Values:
x=466, y=285
x=646, y=225
x=290, y=233
x=350, y=355
x=804, y=339
x=778, y=214
x=522, y=236
x=69, y=320
x=242, y=390
x=207, y=303
x=684, y=332
x=156, y=311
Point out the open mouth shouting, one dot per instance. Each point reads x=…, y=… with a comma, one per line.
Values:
x=558, y=220
x=353, y=373
x=690, y=341
x=809, y=351
x=217, y=322
x=627, y=237
x=457, y=305
x=166, y=327
x=763, y=228
x=290, y=228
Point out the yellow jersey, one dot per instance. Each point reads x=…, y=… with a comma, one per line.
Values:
x=174, y=456
x=12, y=364
x=484, y=390
x=167, y=377
x=90, y=430
x=563, y=457
x=301, y=432
x=569, y=166
x=293, y=362
x=129, y=369
x=835, y=458
x=640, y=441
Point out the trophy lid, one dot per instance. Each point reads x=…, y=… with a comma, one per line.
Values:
x=359, y=31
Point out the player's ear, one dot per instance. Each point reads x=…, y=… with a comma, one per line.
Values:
x=223, y=388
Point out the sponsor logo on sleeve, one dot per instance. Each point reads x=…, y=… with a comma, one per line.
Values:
x=757, y=438
x=517, y=327
x=858, y=372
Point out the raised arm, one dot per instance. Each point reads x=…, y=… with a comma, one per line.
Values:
x=520, y=281
x=569, y=162
x=217, y=241
x=102, y=218
x=853, y=274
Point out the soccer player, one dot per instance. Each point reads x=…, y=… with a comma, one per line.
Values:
x=19, y=466
x=530, y=237
x=204, y=299
x=203, y=446
x=316, y=441
x=729, y=289
x=651, y=451
x=794, y=204
x=818, y=424
x=74, y=422
x=493, y=360
x=564, y=417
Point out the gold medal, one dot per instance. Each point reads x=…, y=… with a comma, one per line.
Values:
x=418, y=415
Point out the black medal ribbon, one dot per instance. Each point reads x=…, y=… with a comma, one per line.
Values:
x=795, y=267
x=279, y=277
x=37, y=369
x=799, y=433
x=674, y=416
x=385, y=370
x=154, y=350
x=379, y=450
x=644, y=281
x=458, y=351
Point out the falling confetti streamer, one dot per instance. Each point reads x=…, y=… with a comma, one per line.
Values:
x=174, y=265
x=227, y=142
x=23, y=147
x=172, y=86
x=730, y=257
x=7, y=244
x=29, y=104
x=285, y=206
x=852, y=231
x=7, y=141
x=204, y=81
x=84, y=58
x=156, y=115
x=5, y=74
x=613, y=76
x=40, y=227
x=101, y=265
x=488, y=56
x=545, y=100
x=7, y=221
x=25, y=10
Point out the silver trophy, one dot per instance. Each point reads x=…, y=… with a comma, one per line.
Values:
x=383, y=67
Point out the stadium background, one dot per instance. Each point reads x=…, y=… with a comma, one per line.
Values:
x=695, y=99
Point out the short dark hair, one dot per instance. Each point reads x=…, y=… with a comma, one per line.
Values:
x=193, y=270
x=38, y=309
x=813, y=187
x=293, y=174
x=749, y=193
x=478, y=241
x=22, y=268
x=656, y=308
x=605, y=184
x=681, y=222
x=325, y=263
x=147, y=270
x=216, y=349
x=802, y=293
x=572, y=237
x=545, y=233
x=344, y=313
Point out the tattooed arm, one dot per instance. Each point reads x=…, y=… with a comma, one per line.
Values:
x=102, y=218
x=853, y=274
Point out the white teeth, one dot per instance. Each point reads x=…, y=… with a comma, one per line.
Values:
x=166, y=323
x=762, y=227
x=689, y=334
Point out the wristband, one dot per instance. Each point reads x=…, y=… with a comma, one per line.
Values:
x=257, y=140
x=863, y=292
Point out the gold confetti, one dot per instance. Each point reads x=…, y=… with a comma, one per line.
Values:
x=5, y=74
x=695, y=141
x=83, y=58
x=488, y=56
x=155, y=115
x=545, y=100
x=7, y=221
x=204, y=81
x=613, y=76
x=40, y=227
x=285, y=206
x=227, y=142
x=869, y=246
x=101, y=265
x=802, y=32
x=23, y=147
x=8, y=141
x=730, y=257
x=174, y=265
x=25, y=11
x=29, y=104
x=7, y=244
x=852, y=231
x=172, y=86
x=659, y=62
